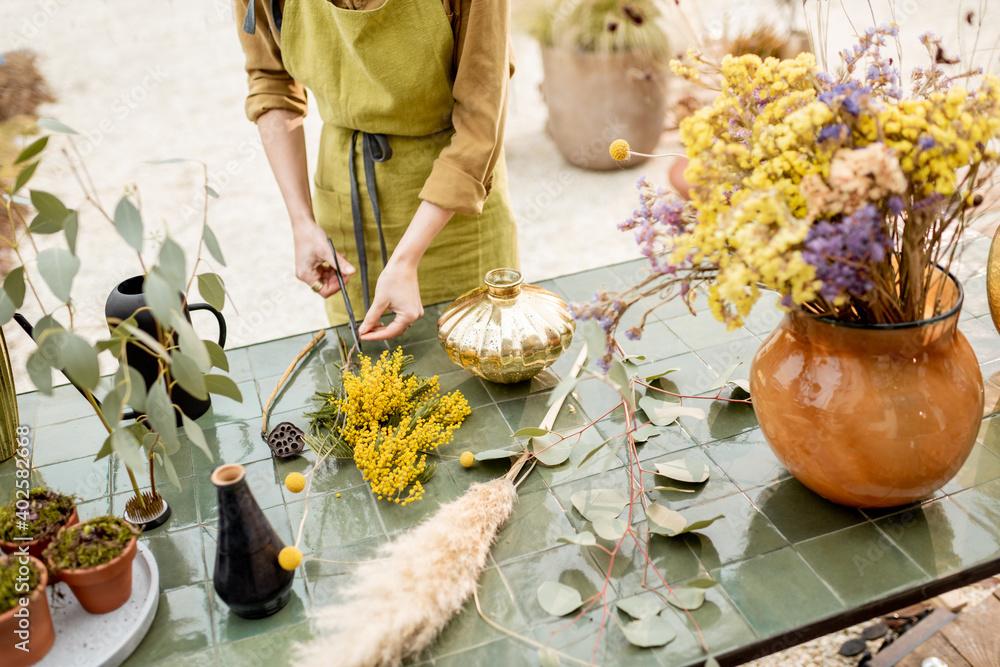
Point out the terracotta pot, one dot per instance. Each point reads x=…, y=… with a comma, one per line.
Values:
x=595, y=98
x=677, y=180
x=103, y=588
x=993, y=279
x=869, y=416
x=36, y=547
x=40, y=635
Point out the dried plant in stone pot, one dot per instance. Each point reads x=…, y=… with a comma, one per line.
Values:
x=26, y=632
x=33, y=518
x=95, y=560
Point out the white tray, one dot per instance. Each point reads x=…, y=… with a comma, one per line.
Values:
x=104, y=640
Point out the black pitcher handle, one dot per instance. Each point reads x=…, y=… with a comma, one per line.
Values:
x=218, y=317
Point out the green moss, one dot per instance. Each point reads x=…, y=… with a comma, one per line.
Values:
x=90, y=544
x=598, y=26
x=12, y=590
x=47, y=511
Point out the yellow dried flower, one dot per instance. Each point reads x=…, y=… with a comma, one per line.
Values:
x=619, y=150
x=467, y=459
x=289, y=558
x=295, y=482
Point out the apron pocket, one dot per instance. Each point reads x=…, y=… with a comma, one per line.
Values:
x=329, y=209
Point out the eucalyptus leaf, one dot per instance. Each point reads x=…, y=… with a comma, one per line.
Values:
x=169, y=160
x=664, y=521
x=111, y=404
x=212, y=244
x=40, y=372
x=132, y=386
x=190, y=344
x=210, y=192
x=105, y=449
x=608, y=527
x=649, y=632
x=703, y=582
x=196, y=436
x=597, y=502
x=563, y=389
x=645, y=432
x=51, y=213
x=7, y=308
x=663, y=413
x=494, y=454
x=551, y=450
x=558, y=599
x=671, y=488
x=168, y=467
x=124, y=444
x=547, y=657
x=595, y=338
x=703, y=523
x=58, y=267
x=161, y=413
x=52, y=125
x=584, y=539
x=24, y=176
x=211, y=289
x=128, y=222
x=687, y=598
x=14, y=286
x=217, y=355
x=71, y=227
x=154, y=345
x=224, y=386
x=724, y=376
x=163, y=300
x=620, y=379
x=743, y=385
x=79, y=359
x=530, y=432
x=685, y=470
x=173, y=265
x=640, y=606
x=32, y=149
x=184, y=369
x=591, y=453
x=711, y=662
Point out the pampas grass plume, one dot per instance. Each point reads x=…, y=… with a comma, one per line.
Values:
x=397, y=604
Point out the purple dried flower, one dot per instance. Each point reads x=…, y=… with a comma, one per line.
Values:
x=633, y=333
x=843, y=250
x=926, y=142
x=896, y=205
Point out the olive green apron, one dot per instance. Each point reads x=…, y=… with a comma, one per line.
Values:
x=389, y=71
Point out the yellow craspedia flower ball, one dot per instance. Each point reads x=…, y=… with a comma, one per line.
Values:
x=467, y=459
x=295, y=482
x=289, y=558
x=619, y=149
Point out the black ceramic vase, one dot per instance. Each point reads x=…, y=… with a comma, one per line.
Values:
x=127, y=300
x=247, y=575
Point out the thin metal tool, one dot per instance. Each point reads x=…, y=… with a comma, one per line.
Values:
x=286, y=439
x=347, y=301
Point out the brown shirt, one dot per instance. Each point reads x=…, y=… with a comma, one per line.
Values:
x=483, y=63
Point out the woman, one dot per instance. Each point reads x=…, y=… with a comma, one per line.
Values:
x=413, y=97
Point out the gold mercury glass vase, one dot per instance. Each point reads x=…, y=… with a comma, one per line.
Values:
x=506, y=331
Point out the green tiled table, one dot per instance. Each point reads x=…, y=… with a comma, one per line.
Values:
x=791, y=565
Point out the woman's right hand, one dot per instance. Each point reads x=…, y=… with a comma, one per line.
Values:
x=313, y=260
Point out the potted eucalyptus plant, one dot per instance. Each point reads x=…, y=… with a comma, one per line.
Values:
x=181, y=362
x=605, y=64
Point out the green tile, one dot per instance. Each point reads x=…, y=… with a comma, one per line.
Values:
x=271, y=649
x=27, y=408
x=333, y=521
x=232, y=628
x=582, y=286
x=765, y=315
x=777, y=592
x=467, y=629
x=183, y=624
x=688, y=494
x=502, y=652
x=201, y=659
x=484, y=429
x=741, y=533
x=566, y=564
x=484, y=471
x=704, y=331
x=686, y=374
x=861, y=564
x=747, y=460
x=579, y=638
x=536, y=523
x=981, y=466
x=989, y=434
x=273, y=357
x=976, y=302
x=733, y=357
x=616, y=479
x=983, y=503
x=261, y=478
x=225, y=410
x=590, y=454
x=238, y=442
x=298, y=391
x=331, y=475
x=327, y=573
x=181, y=460
x=428, y=359
x=983, y=338
x=239, y=364
x=657, y=342
x=179, y=557
x=529, y=411
x=85, y=478
x=67, y=441
x=721, y=625
x=94, y=508
x=63, y=405
x=440, y=489
x=183, y=505
x=472, y=388
x=801, y=514
x=670, y=442
x=940, y=537
x=672, y=559
x=544, y=381
x=722, y=420
x=424, y=328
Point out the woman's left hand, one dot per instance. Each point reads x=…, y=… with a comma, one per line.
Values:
x=398, y=291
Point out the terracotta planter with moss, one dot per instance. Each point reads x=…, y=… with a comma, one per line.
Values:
x=95, y=560
x=595, y=98
x=26, y=633
x=47, y=512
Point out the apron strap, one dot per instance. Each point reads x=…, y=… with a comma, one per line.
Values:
x=374, y=148
x=250, y=20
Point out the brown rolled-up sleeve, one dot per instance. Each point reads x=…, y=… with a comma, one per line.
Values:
x=463, y=173
x=270, y=86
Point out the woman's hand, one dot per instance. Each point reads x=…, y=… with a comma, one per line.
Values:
x=397, y=289
x=313, y=260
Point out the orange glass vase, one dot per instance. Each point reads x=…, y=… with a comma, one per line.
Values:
x=870, y=415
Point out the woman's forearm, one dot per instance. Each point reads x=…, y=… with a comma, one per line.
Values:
x=284, y=143
x=426, y=224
